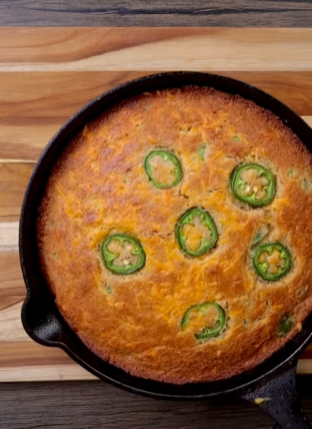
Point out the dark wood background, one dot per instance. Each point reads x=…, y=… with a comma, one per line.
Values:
x=234, y=13
x=96, y=405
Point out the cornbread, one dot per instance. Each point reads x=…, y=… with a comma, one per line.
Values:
x=175, y=234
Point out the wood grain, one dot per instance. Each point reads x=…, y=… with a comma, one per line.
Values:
x=52, y=372
x=12, y=287
x=13, y=181
x=240, y=13
x=210, y=49
x=11, y=325
x=94, y=405
x=8, y=236
x=24, y=353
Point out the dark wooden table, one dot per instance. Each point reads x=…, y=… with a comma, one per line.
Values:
x=93, y=404
x=93, y=13
x=97, y=405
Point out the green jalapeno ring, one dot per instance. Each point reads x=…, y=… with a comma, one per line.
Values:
x=207, y=220
x=262, y=267
x=177, y=171
x=206, y=332
x=285, y=326
x=109, y=257
x=237, y=182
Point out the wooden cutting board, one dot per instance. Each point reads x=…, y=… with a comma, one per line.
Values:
x=47, y=74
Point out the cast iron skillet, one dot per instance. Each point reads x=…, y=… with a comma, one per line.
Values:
x=273, y=380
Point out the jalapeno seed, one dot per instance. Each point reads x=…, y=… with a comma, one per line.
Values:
x=122, y=254
x=272, y=261
x=163, y=169
x=253, y=184
x=205, y=320
x=196, y=232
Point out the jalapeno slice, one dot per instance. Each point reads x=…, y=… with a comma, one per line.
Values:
x=196, y=232
x=253, y=184
x=205, y=320
x=163, y=169
x=122, y=254
x=272, y=261
x=285, y=326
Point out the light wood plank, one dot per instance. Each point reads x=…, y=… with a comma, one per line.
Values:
x=17, y=161
x=11, y=329
x=14, y=177
x=72, y=43
x=12, y=287
x=35, y=105
x=10, y=271
x=228, y=49
x=304, y=366
x=29, y=353
x=308, y=120
x=7, y=299
x=45, y=373
x=8, y=236
x=26, y=142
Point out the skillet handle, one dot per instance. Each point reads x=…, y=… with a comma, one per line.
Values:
x=278, y=397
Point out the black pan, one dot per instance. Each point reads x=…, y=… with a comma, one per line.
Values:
x=273, y=381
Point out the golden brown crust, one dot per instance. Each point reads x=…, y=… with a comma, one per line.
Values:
x=99, y=186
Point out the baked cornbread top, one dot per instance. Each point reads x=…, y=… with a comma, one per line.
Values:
x=175, y=234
